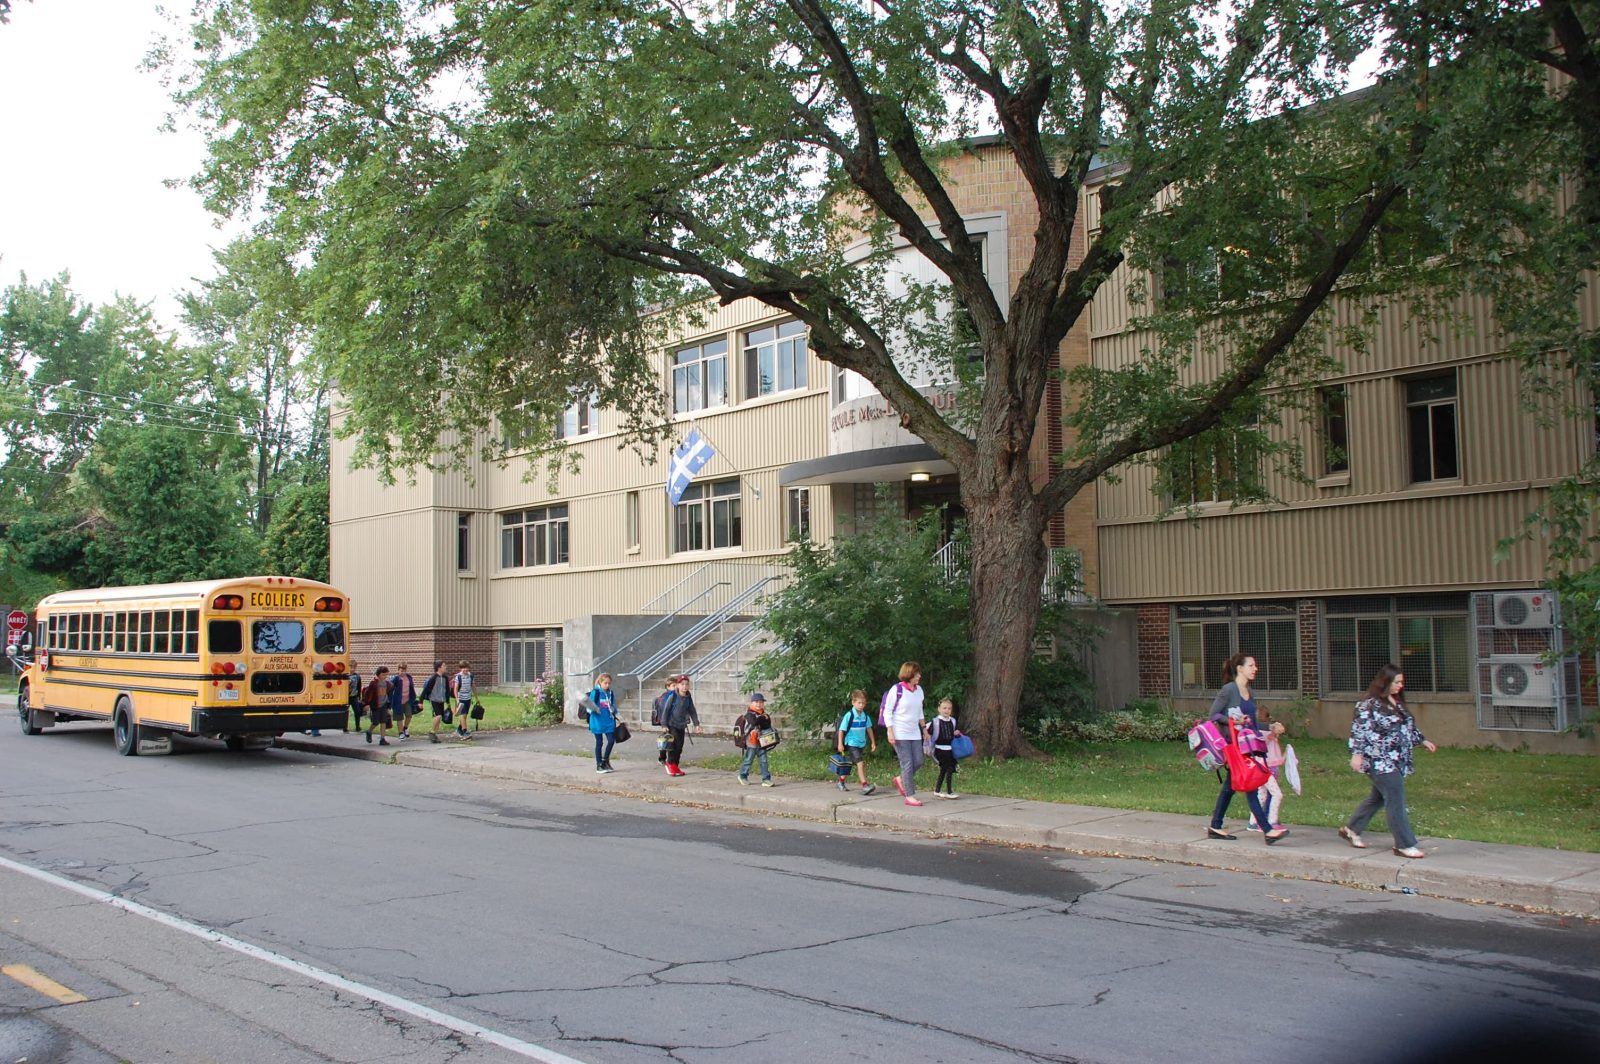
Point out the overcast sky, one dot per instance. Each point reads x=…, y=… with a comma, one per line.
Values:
x=84, y=157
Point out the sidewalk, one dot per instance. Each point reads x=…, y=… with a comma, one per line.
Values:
x=562, y=756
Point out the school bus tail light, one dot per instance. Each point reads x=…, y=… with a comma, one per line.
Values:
x=328, y=604
x=228, y=602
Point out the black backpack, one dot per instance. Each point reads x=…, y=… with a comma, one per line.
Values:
x=655, y=708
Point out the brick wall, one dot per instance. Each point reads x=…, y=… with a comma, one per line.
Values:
x=1155, y=651
x=1310, y=663
x=419, y=650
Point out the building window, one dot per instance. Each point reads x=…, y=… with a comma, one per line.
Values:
x=707, y=517
x=580, y=419
x=534, y=537
x=1208, y=634
x=528, y=654
x=1431, y=427
x=797, y=515
x=1332, y=404
x=463, y=543
x=1204, y=468
x=700, y=376
x=1425, y=635
x=774, y=359
x=631, y=519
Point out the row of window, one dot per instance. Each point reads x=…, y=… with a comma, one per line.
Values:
x=1426, y=635
x=774, y=361
x=125, y=632
x=1209, y=469
x=176, y=633
x=708, y=517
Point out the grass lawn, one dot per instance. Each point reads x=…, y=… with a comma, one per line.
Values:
x=1548, y=800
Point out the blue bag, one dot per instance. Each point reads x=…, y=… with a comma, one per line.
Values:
x=962, y=747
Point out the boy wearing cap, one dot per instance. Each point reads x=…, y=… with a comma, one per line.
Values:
x=751, y=725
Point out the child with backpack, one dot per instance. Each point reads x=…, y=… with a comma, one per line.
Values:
x=747, y=731
x=1271, y=796
x=943, y=731
x=855, y=737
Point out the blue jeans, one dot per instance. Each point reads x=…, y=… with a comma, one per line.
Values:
x=751, y=753
x=1225, y=799
x=603, y=742
x=1389, y=794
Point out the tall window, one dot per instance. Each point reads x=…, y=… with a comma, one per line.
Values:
x=1205, y=468
x=707, y=518
x=797, y=515
x=631, y=519
x=700, y=376
x=579, y=419
x=1426, y=635
x=1332, y=403
x=527, y=654
x=1431, y=427
x=1208, y=634
x=534, y=537
x=463, y=543
x=774, y=359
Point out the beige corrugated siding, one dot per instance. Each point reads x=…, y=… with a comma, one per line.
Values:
x=1444, y=540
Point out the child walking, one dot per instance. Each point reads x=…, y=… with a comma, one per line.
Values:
x=602, y=705
x=751, y=725
x=943, y=731
x=855, y=736
x=1271, y=796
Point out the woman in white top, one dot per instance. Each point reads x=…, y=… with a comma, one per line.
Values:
x=902, y=719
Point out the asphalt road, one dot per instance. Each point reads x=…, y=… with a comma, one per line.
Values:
x=614, y=930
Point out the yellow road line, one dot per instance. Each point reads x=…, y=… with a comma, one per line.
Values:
x=45, y=985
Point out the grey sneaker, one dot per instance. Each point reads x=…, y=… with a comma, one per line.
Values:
x=744, y=781
x=768, y=783
x=868, y=788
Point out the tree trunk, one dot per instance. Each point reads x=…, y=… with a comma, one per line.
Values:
x=1008, y=565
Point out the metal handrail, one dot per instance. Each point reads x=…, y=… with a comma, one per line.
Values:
x=676, y=647
x=594, y=670
x=727, y=648
x=650, y=606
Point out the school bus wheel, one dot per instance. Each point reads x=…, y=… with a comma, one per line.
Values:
x=24, y=714
x=124, y=729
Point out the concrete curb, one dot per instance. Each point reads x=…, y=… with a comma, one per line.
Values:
x=1518, y=876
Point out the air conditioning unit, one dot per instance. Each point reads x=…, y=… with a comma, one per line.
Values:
x=1523, y=609
x=1521, y=680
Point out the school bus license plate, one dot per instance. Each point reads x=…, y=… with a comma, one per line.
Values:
x=228, y=696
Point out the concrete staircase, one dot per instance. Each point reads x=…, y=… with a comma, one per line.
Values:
x=721, y=694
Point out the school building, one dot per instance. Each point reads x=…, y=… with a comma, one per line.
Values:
x=1387, y=555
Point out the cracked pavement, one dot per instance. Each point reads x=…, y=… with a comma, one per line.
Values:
x=615, y=930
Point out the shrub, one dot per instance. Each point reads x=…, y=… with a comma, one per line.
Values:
x=859, y=608
x=544, y=702
x=1145, y=720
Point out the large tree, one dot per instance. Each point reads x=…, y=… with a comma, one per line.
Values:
x=495, y=195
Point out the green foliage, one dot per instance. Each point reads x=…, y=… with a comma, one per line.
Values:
x=544, y=702
x=856, y=611
x=1146, y=720
x=296, y=543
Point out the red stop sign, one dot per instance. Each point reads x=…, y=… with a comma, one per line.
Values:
x=16, y=621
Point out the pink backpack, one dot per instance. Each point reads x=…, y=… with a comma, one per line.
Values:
x=1206, y=743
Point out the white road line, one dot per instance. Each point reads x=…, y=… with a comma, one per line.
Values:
x=400, y=1004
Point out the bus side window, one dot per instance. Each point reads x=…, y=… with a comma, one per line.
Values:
x=225, y=637
x=191, y=632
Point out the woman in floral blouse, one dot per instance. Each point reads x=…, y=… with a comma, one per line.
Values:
x=1382, y=737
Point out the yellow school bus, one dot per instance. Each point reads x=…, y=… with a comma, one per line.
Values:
x=240, y=660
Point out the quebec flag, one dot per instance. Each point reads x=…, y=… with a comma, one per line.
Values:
x=687, y=460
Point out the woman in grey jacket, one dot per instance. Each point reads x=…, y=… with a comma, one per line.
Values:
x=1236, y=702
